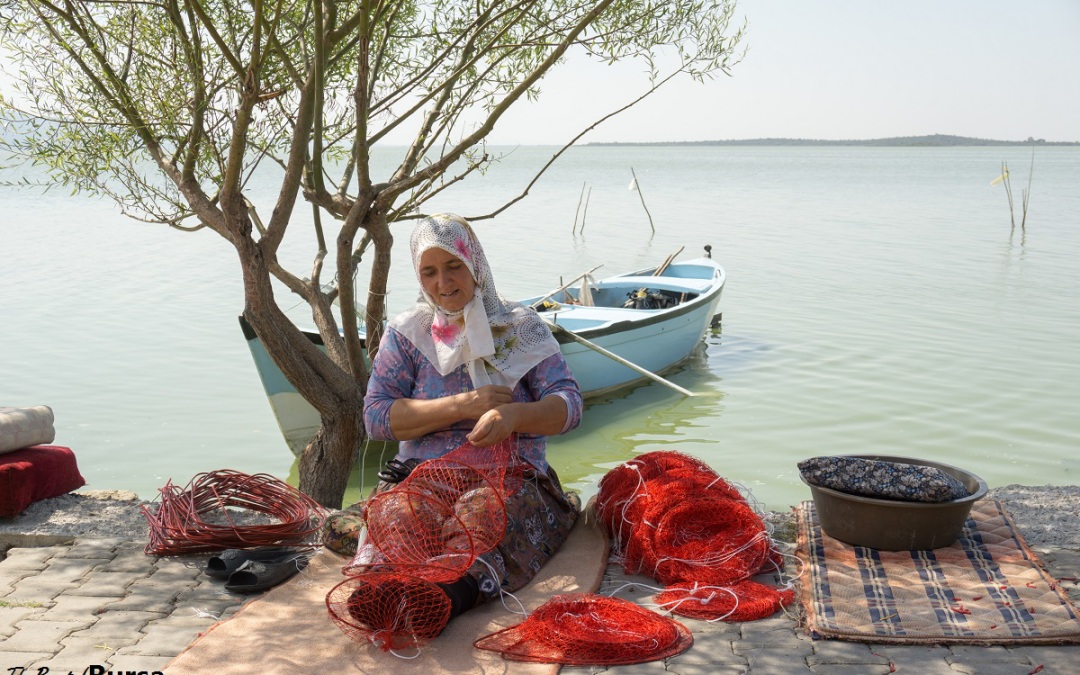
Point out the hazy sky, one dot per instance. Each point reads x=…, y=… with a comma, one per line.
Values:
x=846, y=69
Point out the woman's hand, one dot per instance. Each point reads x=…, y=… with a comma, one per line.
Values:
x=485, y=399
x=412, y=418
x=544, y=417
x=492, y=427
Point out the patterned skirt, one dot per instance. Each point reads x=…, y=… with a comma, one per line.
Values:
x=539, y=517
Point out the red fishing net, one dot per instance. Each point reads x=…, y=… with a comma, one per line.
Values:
x=392, y=611
x=744, y=601
x=590, y=630
x=429, y=528
x=673, y=518
x=203, y=516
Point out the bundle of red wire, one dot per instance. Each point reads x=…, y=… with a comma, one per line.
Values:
x=673, y=518
x=428, y=529
x=581, y=629
x=197, y=518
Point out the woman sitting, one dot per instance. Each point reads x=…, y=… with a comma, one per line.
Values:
x=463, y=365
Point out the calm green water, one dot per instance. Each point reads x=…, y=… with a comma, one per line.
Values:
x=877, y=301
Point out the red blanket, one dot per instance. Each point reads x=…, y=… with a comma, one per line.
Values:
x=36, y=473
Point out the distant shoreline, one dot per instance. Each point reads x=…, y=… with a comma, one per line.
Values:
x=935, y=140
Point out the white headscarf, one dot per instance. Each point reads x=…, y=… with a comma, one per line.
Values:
x=499, y=340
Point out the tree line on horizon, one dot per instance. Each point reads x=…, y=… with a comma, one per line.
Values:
x=933, y=140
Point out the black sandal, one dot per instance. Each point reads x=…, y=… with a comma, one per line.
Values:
x=222, y=565
x=259, y=575
x=396, y=471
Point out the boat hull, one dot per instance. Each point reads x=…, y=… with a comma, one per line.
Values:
x=654, y=339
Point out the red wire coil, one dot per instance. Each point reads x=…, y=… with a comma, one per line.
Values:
x=180, y=526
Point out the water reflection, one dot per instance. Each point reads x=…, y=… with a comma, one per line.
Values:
x=640, y=419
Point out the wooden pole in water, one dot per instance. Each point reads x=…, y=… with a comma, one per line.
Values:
x=586, y=211
x=637, y=186
x=556, y=329
x=578, y=210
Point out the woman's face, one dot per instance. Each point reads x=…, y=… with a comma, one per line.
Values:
x=446, y=279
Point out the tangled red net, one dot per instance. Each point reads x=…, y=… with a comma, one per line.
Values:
x=428, y=529
x=202, y=516
x=744, y=601
x=673, y=518
x=580, y=629
x=392, y=611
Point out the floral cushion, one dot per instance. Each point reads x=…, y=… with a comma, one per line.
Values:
x=882, y=479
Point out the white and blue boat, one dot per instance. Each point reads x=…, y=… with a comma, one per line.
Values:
x=614, y=332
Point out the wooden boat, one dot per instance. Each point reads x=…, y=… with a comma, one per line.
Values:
x=614, y=332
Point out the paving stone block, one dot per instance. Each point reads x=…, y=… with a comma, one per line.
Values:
x=34, y=635
x=168, y=639
x=776, y=660
x=990, y=668
x=182, y=568
x=13, y=659
x=839, y=651
x=983, y=654
x=105, y=584
x=123, y=662
x=776, y=622
x=146, y=598
x=683, y=668
x=1053, y=659
x=11, y=615
x=75, y=607
x=8, y=579
x=856, y=669
x=649, y=668
x=777, y=639
x=709, y=647
x=728, y=630
x=126, y=560
x=67, y=570
x=100, y=549
x=76, y=651
x=35, y=588
x=29, y=558
x=210, y=593
x=117, y=626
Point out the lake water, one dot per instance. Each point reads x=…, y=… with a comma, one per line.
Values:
x=877, y=301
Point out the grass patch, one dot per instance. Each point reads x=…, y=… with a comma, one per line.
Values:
x=27, y=603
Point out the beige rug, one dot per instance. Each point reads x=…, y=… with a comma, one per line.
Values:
x=288, y=630
x=987, y=588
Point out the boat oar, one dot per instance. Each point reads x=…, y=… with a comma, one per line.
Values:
x=564, y=286
x=557, y=329
x=660, y=270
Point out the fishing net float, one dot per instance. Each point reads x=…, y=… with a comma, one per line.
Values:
x=200, y=517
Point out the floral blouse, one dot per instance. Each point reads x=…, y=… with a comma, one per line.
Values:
x=401, y=371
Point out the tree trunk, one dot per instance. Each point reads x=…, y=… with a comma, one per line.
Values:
x=326, y=461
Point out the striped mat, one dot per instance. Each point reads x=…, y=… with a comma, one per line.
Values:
x=987, y=588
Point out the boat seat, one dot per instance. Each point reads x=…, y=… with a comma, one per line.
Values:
x=676, y=284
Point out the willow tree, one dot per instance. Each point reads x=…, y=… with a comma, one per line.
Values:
x=170, y=106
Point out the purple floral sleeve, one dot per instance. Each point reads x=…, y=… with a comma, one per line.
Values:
x=401, y=371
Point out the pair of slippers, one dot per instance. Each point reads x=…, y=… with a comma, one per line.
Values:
x=256, y=570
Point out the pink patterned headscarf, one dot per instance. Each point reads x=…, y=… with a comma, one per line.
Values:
x=497, y=339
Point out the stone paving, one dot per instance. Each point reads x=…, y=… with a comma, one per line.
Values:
x=103, y=606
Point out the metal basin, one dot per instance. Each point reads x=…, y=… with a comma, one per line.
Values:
x=891, y=525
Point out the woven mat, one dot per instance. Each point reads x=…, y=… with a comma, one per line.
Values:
x=288, y=629
x=987, y=588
